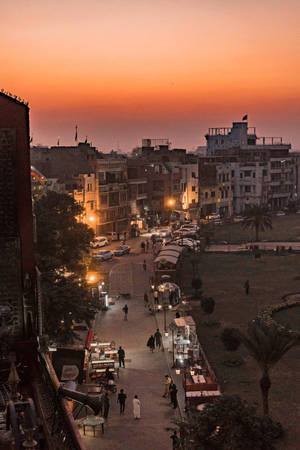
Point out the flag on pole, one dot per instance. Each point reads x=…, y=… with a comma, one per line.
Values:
x=245, y=117
x=58, y=142
x=76, y=135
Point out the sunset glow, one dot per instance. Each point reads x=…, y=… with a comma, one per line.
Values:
x=127, y=69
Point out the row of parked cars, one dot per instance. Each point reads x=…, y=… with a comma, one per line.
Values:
x=105, y=255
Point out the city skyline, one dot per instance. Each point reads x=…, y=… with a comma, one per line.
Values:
x=125, y=70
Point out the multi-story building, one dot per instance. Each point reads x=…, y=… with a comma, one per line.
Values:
x=263, y=171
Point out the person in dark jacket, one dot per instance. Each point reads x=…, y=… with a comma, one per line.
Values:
x=106, y=405
x=173, y=395
x=151, y=343
x=121, y=354
x=122, y=399
x=125, y=310
x=247, y=287
x=158, y=338
x=175, y=440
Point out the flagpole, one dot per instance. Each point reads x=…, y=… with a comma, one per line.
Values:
x=76, y=133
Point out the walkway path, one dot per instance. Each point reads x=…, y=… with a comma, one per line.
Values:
x=144, y=372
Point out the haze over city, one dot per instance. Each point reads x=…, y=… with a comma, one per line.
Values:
x=124, y=70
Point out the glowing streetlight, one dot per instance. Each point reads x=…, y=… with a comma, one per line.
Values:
x=171, y=202
x=91, y=218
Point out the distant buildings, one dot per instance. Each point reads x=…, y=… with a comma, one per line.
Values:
x=123, y=193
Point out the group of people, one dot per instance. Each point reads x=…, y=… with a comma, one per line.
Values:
x=155, y=340
x=145, y=246
x=121, y=399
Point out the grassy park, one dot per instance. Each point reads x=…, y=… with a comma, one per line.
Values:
x=285, y=228
x=270, y=278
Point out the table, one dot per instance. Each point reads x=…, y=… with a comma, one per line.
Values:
x=93, y=422
x=198, y=379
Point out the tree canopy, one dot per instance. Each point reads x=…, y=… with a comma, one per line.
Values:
x=229, y=423
x=258, y=218
x=62, y=241
x=62, y=244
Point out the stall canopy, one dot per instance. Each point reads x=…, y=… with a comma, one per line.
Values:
x=166, y=258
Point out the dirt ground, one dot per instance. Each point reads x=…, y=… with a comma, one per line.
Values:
x=270, y=278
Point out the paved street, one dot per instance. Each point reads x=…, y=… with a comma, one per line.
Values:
x=144, y=372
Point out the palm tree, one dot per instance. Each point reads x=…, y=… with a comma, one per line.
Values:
x=267, y=343
x=258, y=218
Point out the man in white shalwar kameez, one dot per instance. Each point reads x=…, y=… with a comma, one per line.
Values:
x=136, y=407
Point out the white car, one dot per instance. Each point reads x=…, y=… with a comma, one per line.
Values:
x=164, y=233
x=99, y=241
x=104, y=255
x=280, y=213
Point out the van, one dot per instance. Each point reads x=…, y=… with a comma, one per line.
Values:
x=112, y=236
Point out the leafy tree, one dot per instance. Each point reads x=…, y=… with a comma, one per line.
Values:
x=267, y=343
x=197, y=285
x=257, y=218
x=229, y=423
x=230, y=341
x=208, y=305
x=64, y=299
x=62, y=241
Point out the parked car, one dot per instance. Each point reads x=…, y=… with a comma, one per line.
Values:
x=298, y=212
x=280, y=213
x=104, y=255
x=122, y=250
x=213, y=216
x=99, y=241
x=164, y=233
x=238, y=219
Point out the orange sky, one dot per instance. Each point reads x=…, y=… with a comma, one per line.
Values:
x=127, y=69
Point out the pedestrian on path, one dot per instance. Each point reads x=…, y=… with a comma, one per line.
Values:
x=167, y=382
x=101, y=401
x=143, y=247
x=158, y=338
x=125, y=309
x=121, y=354
x=175, y=440
x=136, y=407
x=122, y=399
x=147, y=246
x=151, y=343
x=106, y=405
x=247, y=287
x=144, y=265
x=146, y=300
x=173, y=395
x=155, y=296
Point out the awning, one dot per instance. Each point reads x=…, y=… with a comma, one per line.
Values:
x=168, y=258
x=173, y=247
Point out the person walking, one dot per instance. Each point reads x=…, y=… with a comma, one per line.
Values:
x=121, y=354
x=122, y=399
x=125, y=310
x=158, y=338
x=147, y=246
x=144, y=265
x=155, y=296
x=173, y=395
x=175, y=440
x=151, y=343
x=106, y=405
x=247, y=287
x=136, y=407
x=167, y=382
x=146, y=300
x=143, y=246
x=101, y=401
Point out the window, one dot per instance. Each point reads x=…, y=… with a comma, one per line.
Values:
x=212, y=194
x=265, y=173
x=247, y=173
x=206, y=194
x=103, y=199
x=254, y=174
x=241, y=175
x=89, y=187
x=194, y=188
x=91, y=205
x=247, y=188
x=232, y=173
x=193, y=175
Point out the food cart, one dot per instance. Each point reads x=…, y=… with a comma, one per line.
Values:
x=184, y=340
